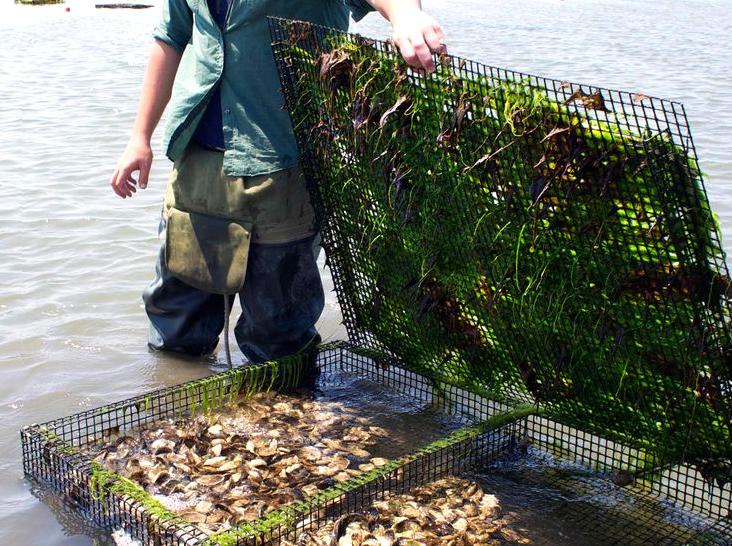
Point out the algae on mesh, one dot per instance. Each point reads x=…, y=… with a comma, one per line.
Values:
x=103, y=482
x=497, y=238
x=287, y=517
x=51, y=438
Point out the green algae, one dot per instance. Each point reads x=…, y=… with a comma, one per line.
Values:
x=51, y=438
x=203, y=397
x=103, y=482
x=500, y=235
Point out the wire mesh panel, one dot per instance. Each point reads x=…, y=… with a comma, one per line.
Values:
x=534, y=257
x=57, y=454
x=523, y=238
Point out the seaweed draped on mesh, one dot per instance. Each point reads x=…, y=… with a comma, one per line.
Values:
x=524, y=238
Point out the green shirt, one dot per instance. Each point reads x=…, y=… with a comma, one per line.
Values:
x=238, y=57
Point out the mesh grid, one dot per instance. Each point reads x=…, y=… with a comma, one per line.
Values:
x=51, y=455
x=534, y=256
x=55, y=462
x=523, y=238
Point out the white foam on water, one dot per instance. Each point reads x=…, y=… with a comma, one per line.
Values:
x=174, y=503
x=121, y=538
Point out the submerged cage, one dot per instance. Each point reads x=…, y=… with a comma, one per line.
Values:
x=53, y=454
x=535, y=256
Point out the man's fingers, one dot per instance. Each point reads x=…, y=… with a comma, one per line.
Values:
x=137, y=158
x=416, y=53
x=417, y=50
x=435, y=39
x=440, y=33
x=117, y=185
x=423, y=53
x=124, y=184
x=131, y=183
x=121, y=182
x=407, y=51
x=144, y=173
x=113, y=182
x=127, y=188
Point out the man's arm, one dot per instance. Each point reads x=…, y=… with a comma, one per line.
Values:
x=156, y=90
x=414, y=32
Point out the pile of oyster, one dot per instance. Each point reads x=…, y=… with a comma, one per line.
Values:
x=234, y=466
x=448, y=512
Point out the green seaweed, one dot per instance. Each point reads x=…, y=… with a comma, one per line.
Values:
x=212, y=393
x=205, y=396
x=103, y=482
x=51, y=438
x=498, y=235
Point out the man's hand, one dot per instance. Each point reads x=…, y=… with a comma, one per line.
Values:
x=414, y=32
x=137, y=157
x=156, y=89
x=417, y=35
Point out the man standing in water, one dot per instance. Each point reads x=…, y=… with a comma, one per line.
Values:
x=237, y=217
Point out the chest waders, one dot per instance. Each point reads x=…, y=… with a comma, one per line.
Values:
x=211, y=220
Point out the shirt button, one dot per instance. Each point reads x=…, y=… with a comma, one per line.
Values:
x=227, y=111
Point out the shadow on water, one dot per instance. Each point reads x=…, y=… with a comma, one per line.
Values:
x=71, y=521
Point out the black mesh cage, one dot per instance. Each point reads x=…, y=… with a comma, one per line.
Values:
x=524, y=238
x=55, y=453
x=535, y=259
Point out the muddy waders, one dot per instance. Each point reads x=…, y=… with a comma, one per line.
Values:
x=222, y=236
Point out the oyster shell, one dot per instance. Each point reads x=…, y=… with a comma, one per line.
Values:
x=234, y=466
x=445, y=512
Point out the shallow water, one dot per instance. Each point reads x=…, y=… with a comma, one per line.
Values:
x=74, y=258
x=410, y=422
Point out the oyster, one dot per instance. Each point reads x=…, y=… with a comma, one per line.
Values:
x=224, y=468
x=446, y=512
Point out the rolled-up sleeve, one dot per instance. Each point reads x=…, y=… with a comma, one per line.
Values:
x=176, y=24
x=359, y=8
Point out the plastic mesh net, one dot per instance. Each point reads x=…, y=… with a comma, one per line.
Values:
x=520, y=237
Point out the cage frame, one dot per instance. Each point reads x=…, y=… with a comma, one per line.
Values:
x=51, y=457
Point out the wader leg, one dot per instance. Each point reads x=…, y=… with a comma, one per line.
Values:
x=281, y=301
x=183, y=319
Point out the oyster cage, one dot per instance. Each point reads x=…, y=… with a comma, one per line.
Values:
x=53, y=455
x=534, y=258
x=529, y=240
